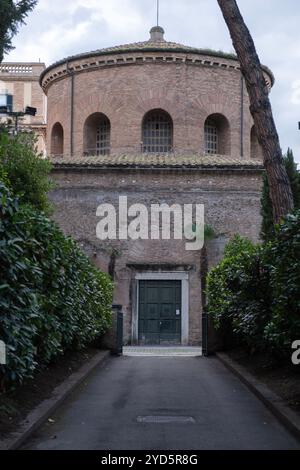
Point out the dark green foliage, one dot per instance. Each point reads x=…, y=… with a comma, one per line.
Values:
x=254, y=293
x=209, y=233
x=51, y=297
x=237, y=292
x=294, y=176
x=26, y=171
x=267, y=229
x=283, y=262
x=12, y=14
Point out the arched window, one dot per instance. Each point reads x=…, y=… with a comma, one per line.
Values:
x=217, y=135
x=97, y=135
x=211, y=137
x=157, y=134
x=256, y=150
x=57, y=139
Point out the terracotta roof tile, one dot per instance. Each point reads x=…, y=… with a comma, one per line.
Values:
x=154, y=161
x=157, y=45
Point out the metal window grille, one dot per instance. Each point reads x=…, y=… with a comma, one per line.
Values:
x=103, y=137
x=211, y=137
x=157, y=133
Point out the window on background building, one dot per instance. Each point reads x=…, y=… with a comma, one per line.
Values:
x=3, y=99
x=103, y=137
x=211, y=137
x=97, y=130
x=157, y=132
x=57, y=139
x=6, y=100
x=217, y=138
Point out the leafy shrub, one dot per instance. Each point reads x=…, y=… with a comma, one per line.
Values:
x=254, y=293
x=51, y=297
x=237, y=292
x=283, y=258
x=268, y=230
x=25, y=171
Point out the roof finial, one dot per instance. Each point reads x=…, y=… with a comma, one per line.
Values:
x=157, y=32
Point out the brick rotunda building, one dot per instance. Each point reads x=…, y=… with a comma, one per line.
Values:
x=157, y=122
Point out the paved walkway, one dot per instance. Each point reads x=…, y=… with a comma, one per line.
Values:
x=162, y=403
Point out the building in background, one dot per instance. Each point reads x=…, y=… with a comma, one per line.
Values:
x=159, y=122
x=19, y=88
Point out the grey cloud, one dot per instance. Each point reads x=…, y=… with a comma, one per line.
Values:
x=82, y=14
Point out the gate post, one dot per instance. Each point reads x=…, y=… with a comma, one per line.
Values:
x=113, y=338
x=117, y=348
x=211, y=340
x=205, y=347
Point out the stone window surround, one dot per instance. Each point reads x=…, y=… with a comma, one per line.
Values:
x=182, y=276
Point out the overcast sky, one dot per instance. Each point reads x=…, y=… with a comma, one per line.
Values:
x=58, y=28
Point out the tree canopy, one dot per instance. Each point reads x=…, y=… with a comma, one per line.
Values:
x=24, y=171
x=268, y=228
x=260, y=107
x=12, y=14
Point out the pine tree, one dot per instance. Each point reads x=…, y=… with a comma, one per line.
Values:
x=12, y=14
x=260, y=108
x=294, y=176
x=267, y=229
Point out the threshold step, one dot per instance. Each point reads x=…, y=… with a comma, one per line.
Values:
x=162, y=351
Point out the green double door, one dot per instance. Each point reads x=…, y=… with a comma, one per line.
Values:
x=159, y=312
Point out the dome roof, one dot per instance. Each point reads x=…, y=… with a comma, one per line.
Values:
x=156, y=43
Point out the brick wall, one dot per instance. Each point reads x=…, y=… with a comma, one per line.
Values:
x=124, y=86
x=189, y=92
x=231, y=200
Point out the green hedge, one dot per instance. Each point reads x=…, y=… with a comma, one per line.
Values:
x=254, y=293
x=51, y=297
x=283, y=262
x=24, y=171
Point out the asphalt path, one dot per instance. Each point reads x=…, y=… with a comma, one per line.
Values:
x=162, y=403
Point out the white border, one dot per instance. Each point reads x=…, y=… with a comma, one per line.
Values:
x=167, y=276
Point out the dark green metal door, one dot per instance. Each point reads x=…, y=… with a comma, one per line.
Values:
x=160, y=312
